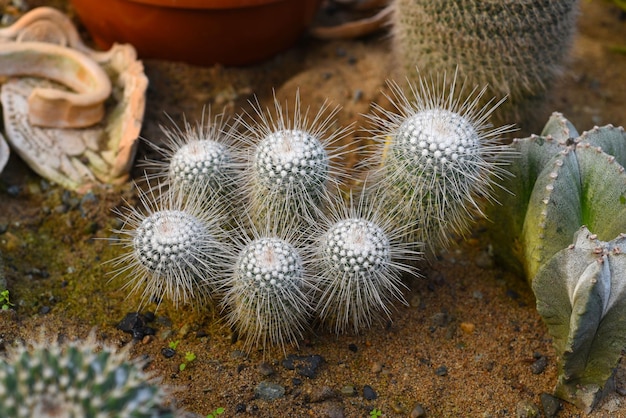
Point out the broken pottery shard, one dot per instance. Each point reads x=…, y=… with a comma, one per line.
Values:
x=76, y=118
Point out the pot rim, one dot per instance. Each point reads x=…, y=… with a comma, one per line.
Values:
x=206, y=4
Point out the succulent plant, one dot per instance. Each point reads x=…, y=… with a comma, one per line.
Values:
x=357, y=262
x=198, y=161
x=175, y=248
x=79, y=379
x=439, y=158
x=268, y=293
x=562, y=182
x=290, y=162
x=517, y=48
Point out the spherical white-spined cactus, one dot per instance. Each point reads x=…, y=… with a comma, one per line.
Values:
x=80, y=379
x=198, y=160
x=290, y=162
x=268, y=292
x=357, y=261
x=175, y=249
x=439, y=157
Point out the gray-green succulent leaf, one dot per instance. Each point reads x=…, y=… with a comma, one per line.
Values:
x=562, y=181
x=581, y=295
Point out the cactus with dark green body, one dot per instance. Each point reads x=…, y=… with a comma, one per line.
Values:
x=517, y=48
x=561, y=182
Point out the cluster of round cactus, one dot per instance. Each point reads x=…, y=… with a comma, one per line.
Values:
x=291, y=245
x=79, y=379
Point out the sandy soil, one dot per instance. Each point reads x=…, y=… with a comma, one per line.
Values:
x=468, y=343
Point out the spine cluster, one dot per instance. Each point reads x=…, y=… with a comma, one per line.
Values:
x=290, y=245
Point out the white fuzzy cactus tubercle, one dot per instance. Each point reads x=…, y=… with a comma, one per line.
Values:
x=78, y=379
x=439, y=157
x=291, y=161
x=267, y=294
x=357, y=261
x=175, y=249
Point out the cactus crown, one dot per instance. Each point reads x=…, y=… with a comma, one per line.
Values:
x=291, y=158
x=270, y=264
x=169, y=238
x=438, y=139
x=79, y=380
x=202, y=162
x=356, y=246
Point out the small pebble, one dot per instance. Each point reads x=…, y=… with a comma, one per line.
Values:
x=306, y=366
x=550, y=404
x=348, y=390
x=398, y=408
x=265, y=369
x=369, y=393
x=539, y=365
x=467, y=327
x=168, y=352
x=377, y=367
x=418, y=411
x=526, y=409
x=268, y=391
x=353, y=348
x=240, y=408
x=322, y=394
x=147, y=339
x=441, y=371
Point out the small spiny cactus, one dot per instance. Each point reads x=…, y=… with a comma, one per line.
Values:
x=357, y=261
x=290, y=162
x=267, y=295
x=438, y=160
x=517, y=48
x=175, y=248
x=198, y=161
x=79, y=379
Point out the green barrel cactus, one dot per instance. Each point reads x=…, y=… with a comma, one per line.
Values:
x=563, y=225
x=79, y=379
x=517, y=48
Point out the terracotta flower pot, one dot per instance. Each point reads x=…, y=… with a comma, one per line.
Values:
x=202, y=32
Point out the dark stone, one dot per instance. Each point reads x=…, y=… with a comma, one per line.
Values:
x=353, y=348
x=441, y=371
x=305, y=365
x=539, y=365
x=369, y=393
x=550, y=404
x=44, y=310
x=134, y=323
x=168, y=352
x=240, y=408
